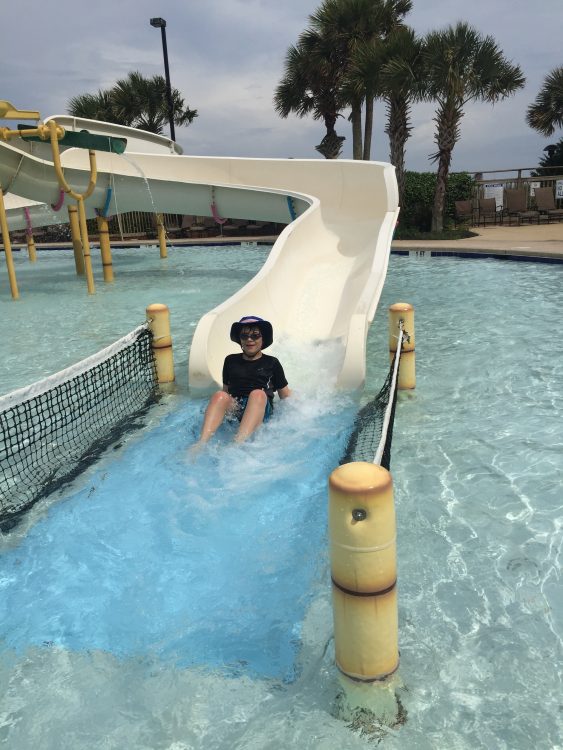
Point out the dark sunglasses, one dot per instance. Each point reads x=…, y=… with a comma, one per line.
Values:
x=253, y=336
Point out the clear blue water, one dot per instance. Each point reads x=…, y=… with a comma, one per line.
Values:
x=159, y=603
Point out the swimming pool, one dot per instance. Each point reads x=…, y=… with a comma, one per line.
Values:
x=159, y=604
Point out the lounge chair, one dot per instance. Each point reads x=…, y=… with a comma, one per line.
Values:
x=545, y=201
x=463, y=212
x=516, y=205
x=192, y=226
x=488, y=210
x=235, y=228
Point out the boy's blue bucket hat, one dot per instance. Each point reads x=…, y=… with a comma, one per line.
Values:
x=249, y=320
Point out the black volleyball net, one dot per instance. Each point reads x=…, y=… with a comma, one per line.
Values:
x=52, y=429
x=373, y=427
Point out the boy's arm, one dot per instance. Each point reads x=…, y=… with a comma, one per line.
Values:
x=284, y=392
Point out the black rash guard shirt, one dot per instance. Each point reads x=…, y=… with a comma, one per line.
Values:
x=242, y=376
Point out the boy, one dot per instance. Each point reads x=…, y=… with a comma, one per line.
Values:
x=249, y=382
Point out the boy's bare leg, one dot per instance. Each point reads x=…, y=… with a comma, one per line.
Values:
x=218, y=406
x=253, y=415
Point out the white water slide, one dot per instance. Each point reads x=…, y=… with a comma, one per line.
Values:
x=323, y=278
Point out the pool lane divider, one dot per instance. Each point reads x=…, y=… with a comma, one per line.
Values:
x=158, y=317
x=363, y=559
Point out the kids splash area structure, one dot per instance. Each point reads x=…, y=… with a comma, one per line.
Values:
x=324, y=276
x=320, y=283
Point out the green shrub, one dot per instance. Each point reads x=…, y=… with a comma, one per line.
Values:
x=416, y=211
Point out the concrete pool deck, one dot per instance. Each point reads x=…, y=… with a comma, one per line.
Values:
x=543, y=241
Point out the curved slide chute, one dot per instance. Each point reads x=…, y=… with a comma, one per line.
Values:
x=323, y=278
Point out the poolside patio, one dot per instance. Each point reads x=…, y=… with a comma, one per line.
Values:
x=527, y=240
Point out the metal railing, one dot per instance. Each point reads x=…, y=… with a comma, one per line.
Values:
x=515, y=178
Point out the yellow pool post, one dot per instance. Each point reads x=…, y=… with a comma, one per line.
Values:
x=403, y=313
x=76, y=241
x=105, y=248
x=364, y=587
x=85, y=244
x=29, y=238
x=8, y=248
x=161, y=231
x=31, y=250
x=159, y=320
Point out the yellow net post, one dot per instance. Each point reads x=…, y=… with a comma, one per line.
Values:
x=159, y=320
x=402, y=314
x=364, y=586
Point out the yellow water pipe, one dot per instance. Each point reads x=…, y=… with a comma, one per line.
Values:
x=79, y=198
x=9, y=112
x=85, y=245
x=54, y=133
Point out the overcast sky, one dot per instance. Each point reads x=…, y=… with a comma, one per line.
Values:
x=227, y=56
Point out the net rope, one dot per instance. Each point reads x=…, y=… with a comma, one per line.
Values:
x=372, y=433
x=52, y=429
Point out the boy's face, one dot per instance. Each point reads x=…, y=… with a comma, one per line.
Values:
x=250, y=340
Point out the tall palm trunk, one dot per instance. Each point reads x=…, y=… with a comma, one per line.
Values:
x=357, y=150
x=368, y=128
x=398, y=129
x=447, y=118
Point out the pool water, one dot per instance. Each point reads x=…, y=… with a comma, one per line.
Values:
x=164, y=603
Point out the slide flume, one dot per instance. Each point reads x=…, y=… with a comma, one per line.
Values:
x=323, y=278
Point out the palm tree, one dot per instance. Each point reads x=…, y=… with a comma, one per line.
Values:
x=546, y=113
x=461, y=66
x=310, y=86
x=349, y=25
x=317, y=70
x=390, y=70
x=402, y=82
x=145, y=100
x=97, y=106
x=134, y=101
x=553, y=159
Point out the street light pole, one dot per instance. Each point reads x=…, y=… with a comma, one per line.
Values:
x=160, y=23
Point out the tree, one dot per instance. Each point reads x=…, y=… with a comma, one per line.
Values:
x=402, y=81
x=317, y=77
x=461, y=66
x=95, y=107
x=552, y=160
x=348, y=26
x=134, y=101
x=310, y=86
x=546, y=113
x=390, y=70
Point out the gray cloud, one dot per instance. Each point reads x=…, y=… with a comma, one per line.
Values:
x=226, y=56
